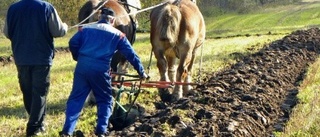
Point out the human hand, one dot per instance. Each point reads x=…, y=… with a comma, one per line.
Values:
x=65, y=26
x=144, y=76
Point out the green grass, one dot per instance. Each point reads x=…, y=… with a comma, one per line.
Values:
x=282, y=19
x=5, y=47
x=305, y=120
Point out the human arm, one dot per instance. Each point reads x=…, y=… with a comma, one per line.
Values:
x=56, y=26
x=75, y=44
x=125, y=48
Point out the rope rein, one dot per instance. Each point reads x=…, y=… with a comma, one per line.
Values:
x=95, y=11
x=149, y=8
x=124, y=3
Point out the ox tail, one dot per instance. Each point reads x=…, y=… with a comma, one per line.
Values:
x=169, y=23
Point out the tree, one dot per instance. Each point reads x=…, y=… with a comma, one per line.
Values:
x=68, y=9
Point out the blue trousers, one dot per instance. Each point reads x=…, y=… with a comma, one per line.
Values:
x=89, y=76
x=34, y=83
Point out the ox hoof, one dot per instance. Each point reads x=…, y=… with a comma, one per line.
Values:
x=189, y=92
x=175, y=97
x=165, y=95
x=187, y=88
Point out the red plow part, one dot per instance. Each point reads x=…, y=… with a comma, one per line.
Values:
x=154, y=84
x=146, y=85
x=172, y=83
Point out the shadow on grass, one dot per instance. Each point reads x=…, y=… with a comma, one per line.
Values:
x=20, y=112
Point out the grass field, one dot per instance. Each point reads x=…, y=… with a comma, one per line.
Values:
x=216, y=56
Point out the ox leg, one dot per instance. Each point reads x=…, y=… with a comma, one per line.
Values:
x=114, y=61
x=162, y=67
x=188, y=78
x=118, y=64
x=177, y=92
x=171, y=68
x=182, y=72
x=123, y=67
x=122, y=64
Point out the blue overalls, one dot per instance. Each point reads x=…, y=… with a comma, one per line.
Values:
x=93, y=47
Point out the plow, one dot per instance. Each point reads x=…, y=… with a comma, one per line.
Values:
x=127, y=90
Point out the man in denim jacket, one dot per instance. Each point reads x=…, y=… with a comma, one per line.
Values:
x=31, y=26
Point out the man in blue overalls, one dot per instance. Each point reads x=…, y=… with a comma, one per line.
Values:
x=93, y=47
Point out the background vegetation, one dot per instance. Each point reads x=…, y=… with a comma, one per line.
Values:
x=232, y=26
x=68, y=9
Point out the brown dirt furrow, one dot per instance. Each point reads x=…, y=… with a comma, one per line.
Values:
x=253, y=97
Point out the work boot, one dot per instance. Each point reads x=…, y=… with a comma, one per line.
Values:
x=103, y=135
x=42, y=129
x=78, y=133
x=38, y=132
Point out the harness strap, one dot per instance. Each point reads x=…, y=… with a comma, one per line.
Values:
x=134, y=31
x=99, y=6
x=177, y=2
x=125, y=5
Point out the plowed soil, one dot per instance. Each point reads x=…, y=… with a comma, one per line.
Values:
x=253, y=97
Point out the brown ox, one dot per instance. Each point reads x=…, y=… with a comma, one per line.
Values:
x=177, y=30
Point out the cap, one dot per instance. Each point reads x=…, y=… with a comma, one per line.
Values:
x=107, y=11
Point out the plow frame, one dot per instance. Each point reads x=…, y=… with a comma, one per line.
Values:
x=133, y=87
